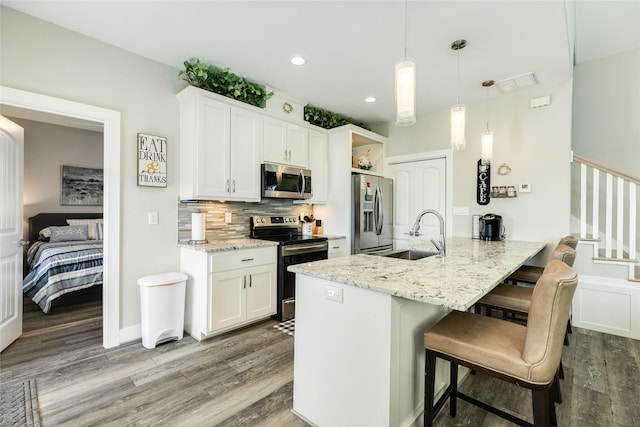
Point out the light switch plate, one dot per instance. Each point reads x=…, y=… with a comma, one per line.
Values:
x=461, y=210
x=524, y=188
x=228, y=217
x=153, y=218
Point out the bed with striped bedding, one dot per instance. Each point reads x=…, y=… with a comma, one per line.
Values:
x=61, y=267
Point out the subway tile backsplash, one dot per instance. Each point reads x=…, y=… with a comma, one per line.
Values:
x=241, y=212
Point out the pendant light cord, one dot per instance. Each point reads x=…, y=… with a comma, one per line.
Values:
x=458, y=97
x=405, y=28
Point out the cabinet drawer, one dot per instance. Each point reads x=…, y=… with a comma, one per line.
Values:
x=231, y=260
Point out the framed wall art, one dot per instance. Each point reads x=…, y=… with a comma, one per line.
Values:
x=81, y=186
x=152, y=160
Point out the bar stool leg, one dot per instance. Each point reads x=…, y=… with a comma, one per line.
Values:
x=453, y=397
x=429, y=385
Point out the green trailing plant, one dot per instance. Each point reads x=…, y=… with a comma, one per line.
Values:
x=224, y=82
x=327, y=119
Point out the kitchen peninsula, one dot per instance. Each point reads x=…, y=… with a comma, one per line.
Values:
x=360, y=319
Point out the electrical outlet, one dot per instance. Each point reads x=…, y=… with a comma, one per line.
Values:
x=524, y=188
x=461, y=210
x=334, y=294
x=228, y=217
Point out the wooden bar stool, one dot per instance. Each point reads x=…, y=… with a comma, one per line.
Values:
x=528, y=356
x=517, y=299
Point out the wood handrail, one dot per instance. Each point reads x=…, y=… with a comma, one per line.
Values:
x=606, y=169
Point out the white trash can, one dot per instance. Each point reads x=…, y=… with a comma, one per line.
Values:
x=162, y=307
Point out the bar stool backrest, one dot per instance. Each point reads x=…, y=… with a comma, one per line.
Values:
x=564, y=253
x=547, y=321
x=569, y=241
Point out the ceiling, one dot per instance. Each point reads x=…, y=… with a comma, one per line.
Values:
x=351, y=46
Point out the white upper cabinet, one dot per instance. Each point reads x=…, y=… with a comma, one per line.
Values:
x=286, y=143
x=318, y=163
x=220, y=148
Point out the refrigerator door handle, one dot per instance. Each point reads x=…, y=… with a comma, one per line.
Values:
x=378, y=211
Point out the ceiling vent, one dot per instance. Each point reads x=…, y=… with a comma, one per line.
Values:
x=513, y=83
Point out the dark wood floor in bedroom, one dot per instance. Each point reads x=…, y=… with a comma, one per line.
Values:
x=245, y=378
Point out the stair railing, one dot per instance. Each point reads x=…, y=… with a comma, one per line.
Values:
x=622, y=181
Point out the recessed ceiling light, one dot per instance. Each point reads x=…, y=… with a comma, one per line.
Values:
x=370, y=99
x=298, y=60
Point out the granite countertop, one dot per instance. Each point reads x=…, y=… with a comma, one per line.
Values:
x=228, y=245
x=470, y=269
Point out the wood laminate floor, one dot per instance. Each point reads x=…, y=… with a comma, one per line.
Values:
x=245, y=378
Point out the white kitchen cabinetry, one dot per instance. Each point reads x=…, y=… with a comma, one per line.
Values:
x=338, y=248
x=220, y=148
x=227, y=290
x=344, y=143
x=286, y=143
x=319, y=165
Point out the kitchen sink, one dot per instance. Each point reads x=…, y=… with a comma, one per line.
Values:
x=408, y=254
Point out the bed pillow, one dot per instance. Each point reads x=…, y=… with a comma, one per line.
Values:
x=68, y=234
x=93, y=229
x=44, y=234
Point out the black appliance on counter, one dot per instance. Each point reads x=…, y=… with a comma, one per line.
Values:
x=491, y=227
x=294, y=248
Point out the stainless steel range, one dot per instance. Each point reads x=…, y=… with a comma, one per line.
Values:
x=294, y=248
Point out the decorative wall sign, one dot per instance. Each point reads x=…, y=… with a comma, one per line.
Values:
x=484, y=183
x=81, y=186
x=152, y=160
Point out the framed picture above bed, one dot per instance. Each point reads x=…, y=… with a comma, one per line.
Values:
x=81, y=186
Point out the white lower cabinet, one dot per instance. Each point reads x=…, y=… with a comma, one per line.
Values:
x=228, y=289
x=338, y=248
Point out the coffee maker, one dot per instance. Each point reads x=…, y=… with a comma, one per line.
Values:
x=491, y=227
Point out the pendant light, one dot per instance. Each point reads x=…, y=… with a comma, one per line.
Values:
x=405, y=84
x=458, y=110
x=487, y=135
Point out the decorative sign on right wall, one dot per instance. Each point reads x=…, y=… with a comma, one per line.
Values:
x=484, y=183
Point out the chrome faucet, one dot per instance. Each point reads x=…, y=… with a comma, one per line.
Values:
x=415, y=231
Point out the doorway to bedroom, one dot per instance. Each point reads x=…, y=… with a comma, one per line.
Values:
x=45, y=106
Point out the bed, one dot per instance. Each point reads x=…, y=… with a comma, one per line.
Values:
x=65, y=255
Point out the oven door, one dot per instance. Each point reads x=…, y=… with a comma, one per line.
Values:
x=291, y=255
x=285, y=182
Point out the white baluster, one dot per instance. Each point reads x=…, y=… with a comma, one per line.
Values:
x=609, y=217
x=596, y=204
x=620, y=219
x=632, y=221
x=583, y=200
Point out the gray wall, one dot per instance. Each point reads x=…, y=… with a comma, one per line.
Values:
x=46, y=59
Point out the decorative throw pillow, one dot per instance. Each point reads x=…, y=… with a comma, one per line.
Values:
x=68, y=234
x=92, y=233
x=44, y=234
x=99, y=231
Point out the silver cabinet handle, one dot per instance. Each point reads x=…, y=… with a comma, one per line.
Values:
x=234, y=185
x=244, y=282
x=247, y=259
x=227, y=186
x=250, y=280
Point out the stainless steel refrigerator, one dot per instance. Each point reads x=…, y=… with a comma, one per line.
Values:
x=371, y=214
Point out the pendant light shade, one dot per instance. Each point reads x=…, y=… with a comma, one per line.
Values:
x=487, y=135
x=457, y=126
x=487, y=147
x=458, y=141
x=405, y=92
x=405, y=84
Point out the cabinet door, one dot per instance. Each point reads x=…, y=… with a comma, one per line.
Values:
x=246, y=149
x=338, y=248
x=318, y=163
x=298, y=145
x=261, y=291
x=275, y=141
x=212, y=149
x=226, y=300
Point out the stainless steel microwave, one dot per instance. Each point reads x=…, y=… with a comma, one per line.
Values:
x=285, y=182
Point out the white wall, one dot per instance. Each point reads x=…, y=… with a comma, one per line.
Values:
x=535, y=143
x=606, y=111
x=46, y=148
x=40, y=57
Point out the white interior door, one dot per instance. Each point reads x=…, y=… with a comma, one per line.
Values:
x=419, y=185
x=11, y=231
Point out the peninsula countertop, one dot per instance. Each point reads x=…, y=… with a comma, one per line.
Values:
x=469, y=270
